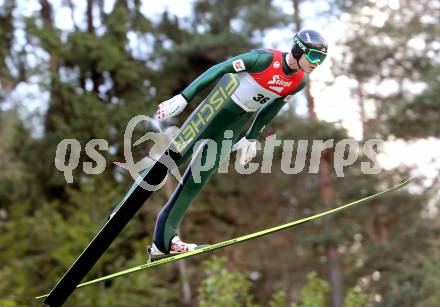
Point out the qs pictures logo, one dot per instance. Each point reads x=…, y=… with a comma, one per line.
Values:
x=68, y=154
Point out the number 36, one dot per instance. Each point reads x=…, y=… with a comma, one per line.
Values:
x=261, y=98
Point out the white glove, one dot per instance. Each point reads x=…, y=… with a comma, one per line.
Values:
x=171, y=107
x=248, y=150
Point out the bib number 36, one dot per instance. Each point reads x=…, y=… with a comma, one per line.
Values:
x=261, y=98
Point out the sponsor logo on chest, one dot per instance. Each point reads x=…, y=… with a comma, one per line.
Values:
x=278, y=84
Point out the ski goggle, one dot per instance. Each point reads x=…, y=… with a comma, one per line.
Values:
x=315, y=56
x=312, y=55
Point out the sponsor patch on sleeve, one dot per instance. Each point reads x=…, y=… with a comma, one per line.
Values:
x=289, y=98
x=238, y=65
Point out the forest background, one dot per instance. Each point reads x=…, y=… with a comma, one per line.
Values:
x=83, y=69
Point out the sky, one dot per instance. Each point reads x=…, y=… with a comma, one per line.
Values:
x=333, y=103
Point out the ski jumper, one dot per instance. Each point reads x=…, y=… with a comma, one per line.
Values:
x=260, y=82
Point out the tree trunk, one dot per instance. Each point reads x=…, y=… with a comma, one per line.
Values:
x=89, y=13
x=296, y=16
x=327, y=191
x=46, y=15
x=310, y=101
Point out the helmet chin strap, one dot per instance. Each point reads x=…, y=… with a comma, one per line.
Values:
x=297, y=62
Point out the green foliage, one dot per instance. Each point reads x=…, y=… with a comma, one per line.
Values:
x=431, y=275
x=355, y=298
x=278, y=299
x=314, y=293
x=417, y=117
x=10, y=303
x=222, y=287
x=13, y=175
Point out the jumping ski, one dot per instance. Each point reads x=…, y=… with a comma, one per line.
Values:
x=209, y=248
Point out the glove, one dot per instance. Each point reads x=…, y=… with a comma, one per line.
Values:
x=171, y=107
x=248, y=150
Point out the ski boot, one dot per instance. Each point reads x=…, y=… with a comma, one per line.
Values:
x=177, y=247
